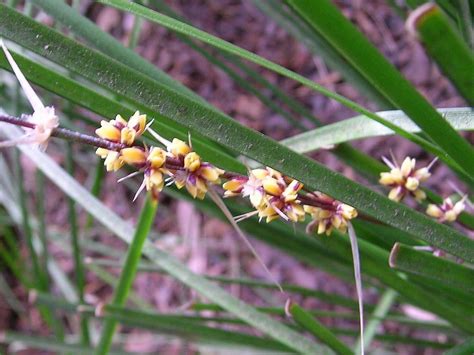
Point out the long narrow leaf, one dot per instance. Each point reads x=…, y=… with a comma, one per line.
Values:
x=129, y=270
x=407, y=259
x=361, y=127
x=435, y=31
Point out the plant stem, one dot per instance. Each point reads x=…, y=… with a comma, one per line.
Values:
x=67, y=134
x=129, y=270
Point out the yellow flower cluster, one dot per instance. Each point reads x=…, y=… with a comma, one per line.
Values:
x=183, y=166
x=447, y=211
x=195, y=175
x=325, y=219
x=405, y=180
x=271, y=194
x=121, y=131
x=274, y=195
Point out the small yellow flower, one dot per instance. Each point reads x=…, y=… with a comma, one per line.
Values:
x=335, y=216
x=133, y=156
x=108, y=131
x=156, y=157
x=119, y=130
x=192, y=161
x=271, y=186
x=447, y=211
x=405, y=179
x=196, y=175
x=178, y=148
x=138, y=123
x=113, y=161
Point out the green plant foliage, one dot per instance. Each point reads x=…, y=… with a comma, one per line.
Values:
x=86, y=73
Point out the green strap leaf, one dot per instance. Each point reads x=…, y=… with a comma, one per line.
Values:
x=361, y=127
x=409, y=260
x=439, y=38
x=129, y=270
x=312, y=325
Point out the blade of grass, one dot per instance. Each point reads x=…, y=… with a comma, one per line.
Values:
x=76, y=249
x=433, y=28
x=241, y=139
x=134, y=253
x=361, y=127
x=308, y=322
x=465, y=348
x=405, y=258
x=326, y=18
x=380, y=313
x=45, y=343
x=123, y=230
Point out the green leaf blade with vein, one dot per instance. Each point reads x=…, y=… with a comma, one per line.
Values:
x=327, y=19
x=220, y=128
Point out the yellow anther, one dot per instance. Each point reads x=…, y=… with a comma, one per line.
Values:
x=108, y=131
x=137, y=122
x=272, y=187
x=178, y=147
x=156, y=157
x=192, y=161
x=133, y=156
x=127, y=136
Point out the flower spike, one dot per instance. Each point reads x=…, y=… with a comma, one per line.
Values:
x=405, y=179
x=447, y=211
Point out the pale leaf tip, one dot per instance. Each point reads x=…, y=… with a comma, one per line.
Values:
x=392, y=259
